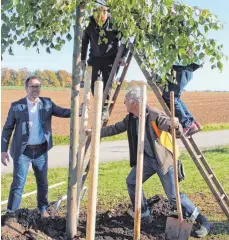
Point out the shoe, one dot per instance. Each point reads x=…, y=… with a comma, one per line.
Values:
x=9, y=216
x=191, y=129
x=146, y=218
x=45, y=214
x=199, y=125
x=204, y=228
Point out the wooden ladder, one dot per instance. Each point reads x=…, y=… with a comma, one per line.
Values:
x=192, y=148
x=189, y=143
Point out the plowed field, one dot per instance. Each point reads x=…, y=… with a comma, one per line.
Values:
x=207, y=107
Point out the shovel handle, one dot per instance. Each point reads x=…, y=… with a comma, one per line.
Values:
x=178, y=201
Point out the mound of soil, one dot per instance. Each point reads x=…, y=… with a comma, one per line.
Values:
x=112, y=224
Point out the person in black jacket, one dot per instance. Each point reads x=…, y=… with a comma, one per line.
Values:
x=103, y=49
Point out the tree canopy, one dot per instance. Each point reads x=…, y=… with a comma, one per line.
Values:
x=163, y=29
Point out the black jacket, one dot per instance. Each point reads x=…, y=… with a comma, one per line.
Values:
x=103, y=50
x=163, y=155
x=18, y=120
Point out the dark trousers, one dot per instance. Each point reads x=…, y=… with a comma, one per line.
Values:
x=183, y=77
x=100, y=66
x=21, y=166
x=150, y=167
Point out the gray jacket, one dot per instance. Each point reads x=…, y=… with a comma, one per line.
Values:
x=18, y=121
x=163, y=156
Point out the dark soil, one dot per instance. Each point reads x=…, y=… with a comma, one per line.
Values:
x=113, y=224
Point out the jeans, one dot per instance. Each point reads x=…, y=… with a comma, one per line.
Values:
x=183, y=77
x=150, y=167
x=21, y=167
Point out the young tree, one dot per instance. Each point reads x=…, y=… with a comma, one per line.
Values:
x=163, y=29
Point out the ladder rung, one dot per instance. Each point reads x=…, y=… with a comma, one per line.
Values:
x=211, y=176
x=199, y=156
x=222, y=196
x=109, y=101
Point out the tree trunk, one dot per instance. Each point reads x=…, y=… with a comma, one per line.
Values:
x=74, y=124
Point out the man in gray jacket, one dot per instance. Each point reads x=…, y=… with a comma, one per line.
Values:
x=30, y=119
x=157, y=158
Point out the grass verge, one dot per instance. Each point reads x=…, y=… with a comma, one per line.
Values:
x=64, y=140
x=112, y=187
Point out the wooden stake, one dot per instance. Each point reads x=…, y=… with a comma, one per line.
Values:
x=140, y=156
x=83, y=126
x=94, y=161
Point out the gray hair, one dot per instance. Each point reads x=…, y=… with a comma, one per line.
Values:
x=134, y=93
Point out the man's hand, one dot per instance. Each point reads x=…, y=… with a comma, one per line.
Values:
x=88, y=132
x=174, y=123
x=122, y=61
x=5, y=158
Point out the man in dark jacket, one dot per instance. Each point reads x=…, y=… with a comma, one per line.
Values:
x=30, y=119
x=103, y=49
x=157, y=158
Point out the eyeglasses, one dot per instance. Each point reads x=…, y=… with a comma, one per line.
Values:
x=35, y=86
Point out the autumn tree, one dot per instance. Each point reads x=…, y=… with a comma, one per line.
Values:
x=64, y=78
x=6, y=77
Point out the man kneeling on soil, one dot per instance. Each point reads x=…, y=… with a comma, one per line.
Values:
x=157, y=159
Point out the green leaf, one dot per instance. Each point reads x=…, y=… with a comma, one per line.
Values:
x=105, y=40
x=48, y=50
x=69, y=37
x=10, y=51
x=201, y=56
x=220, y=65
x=206, y=28
x=164, y=10
x=168, y=3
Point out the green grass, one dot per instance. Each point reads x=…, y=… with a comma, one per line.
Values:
x=112, y=187
x=215, y=127
x=64, y=140
x=43, y=88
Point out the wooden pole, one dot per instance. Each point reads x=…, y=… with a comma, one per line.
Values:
x=74, y=123
x=140, y=156
x=83, y=138
x=94, y=161
x=178, y=201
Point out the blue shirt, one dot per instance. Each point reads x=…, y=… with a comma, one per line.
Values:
x=36, y=134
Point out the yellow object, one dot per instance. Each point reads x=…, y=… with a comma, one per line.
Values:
x=165, y=139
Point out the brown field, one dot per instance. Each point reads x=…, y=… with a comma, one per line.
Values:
x=207, y=107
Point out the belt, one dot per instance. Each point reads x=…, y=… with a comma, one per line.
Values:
x=36, y=146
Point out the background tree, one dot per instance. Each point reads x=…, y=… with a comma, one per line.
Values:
x=64, y=78
x=6, y=77
x=163, y=29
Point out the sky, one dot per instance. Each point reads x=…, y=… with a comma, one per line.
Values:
x=204, y=78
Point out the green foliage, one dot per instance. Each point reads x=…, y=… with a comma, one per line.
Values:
x=163, y=29
x=112, y=189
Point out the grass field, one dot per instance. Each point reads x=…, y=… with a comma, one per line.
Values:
x=112, y=188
